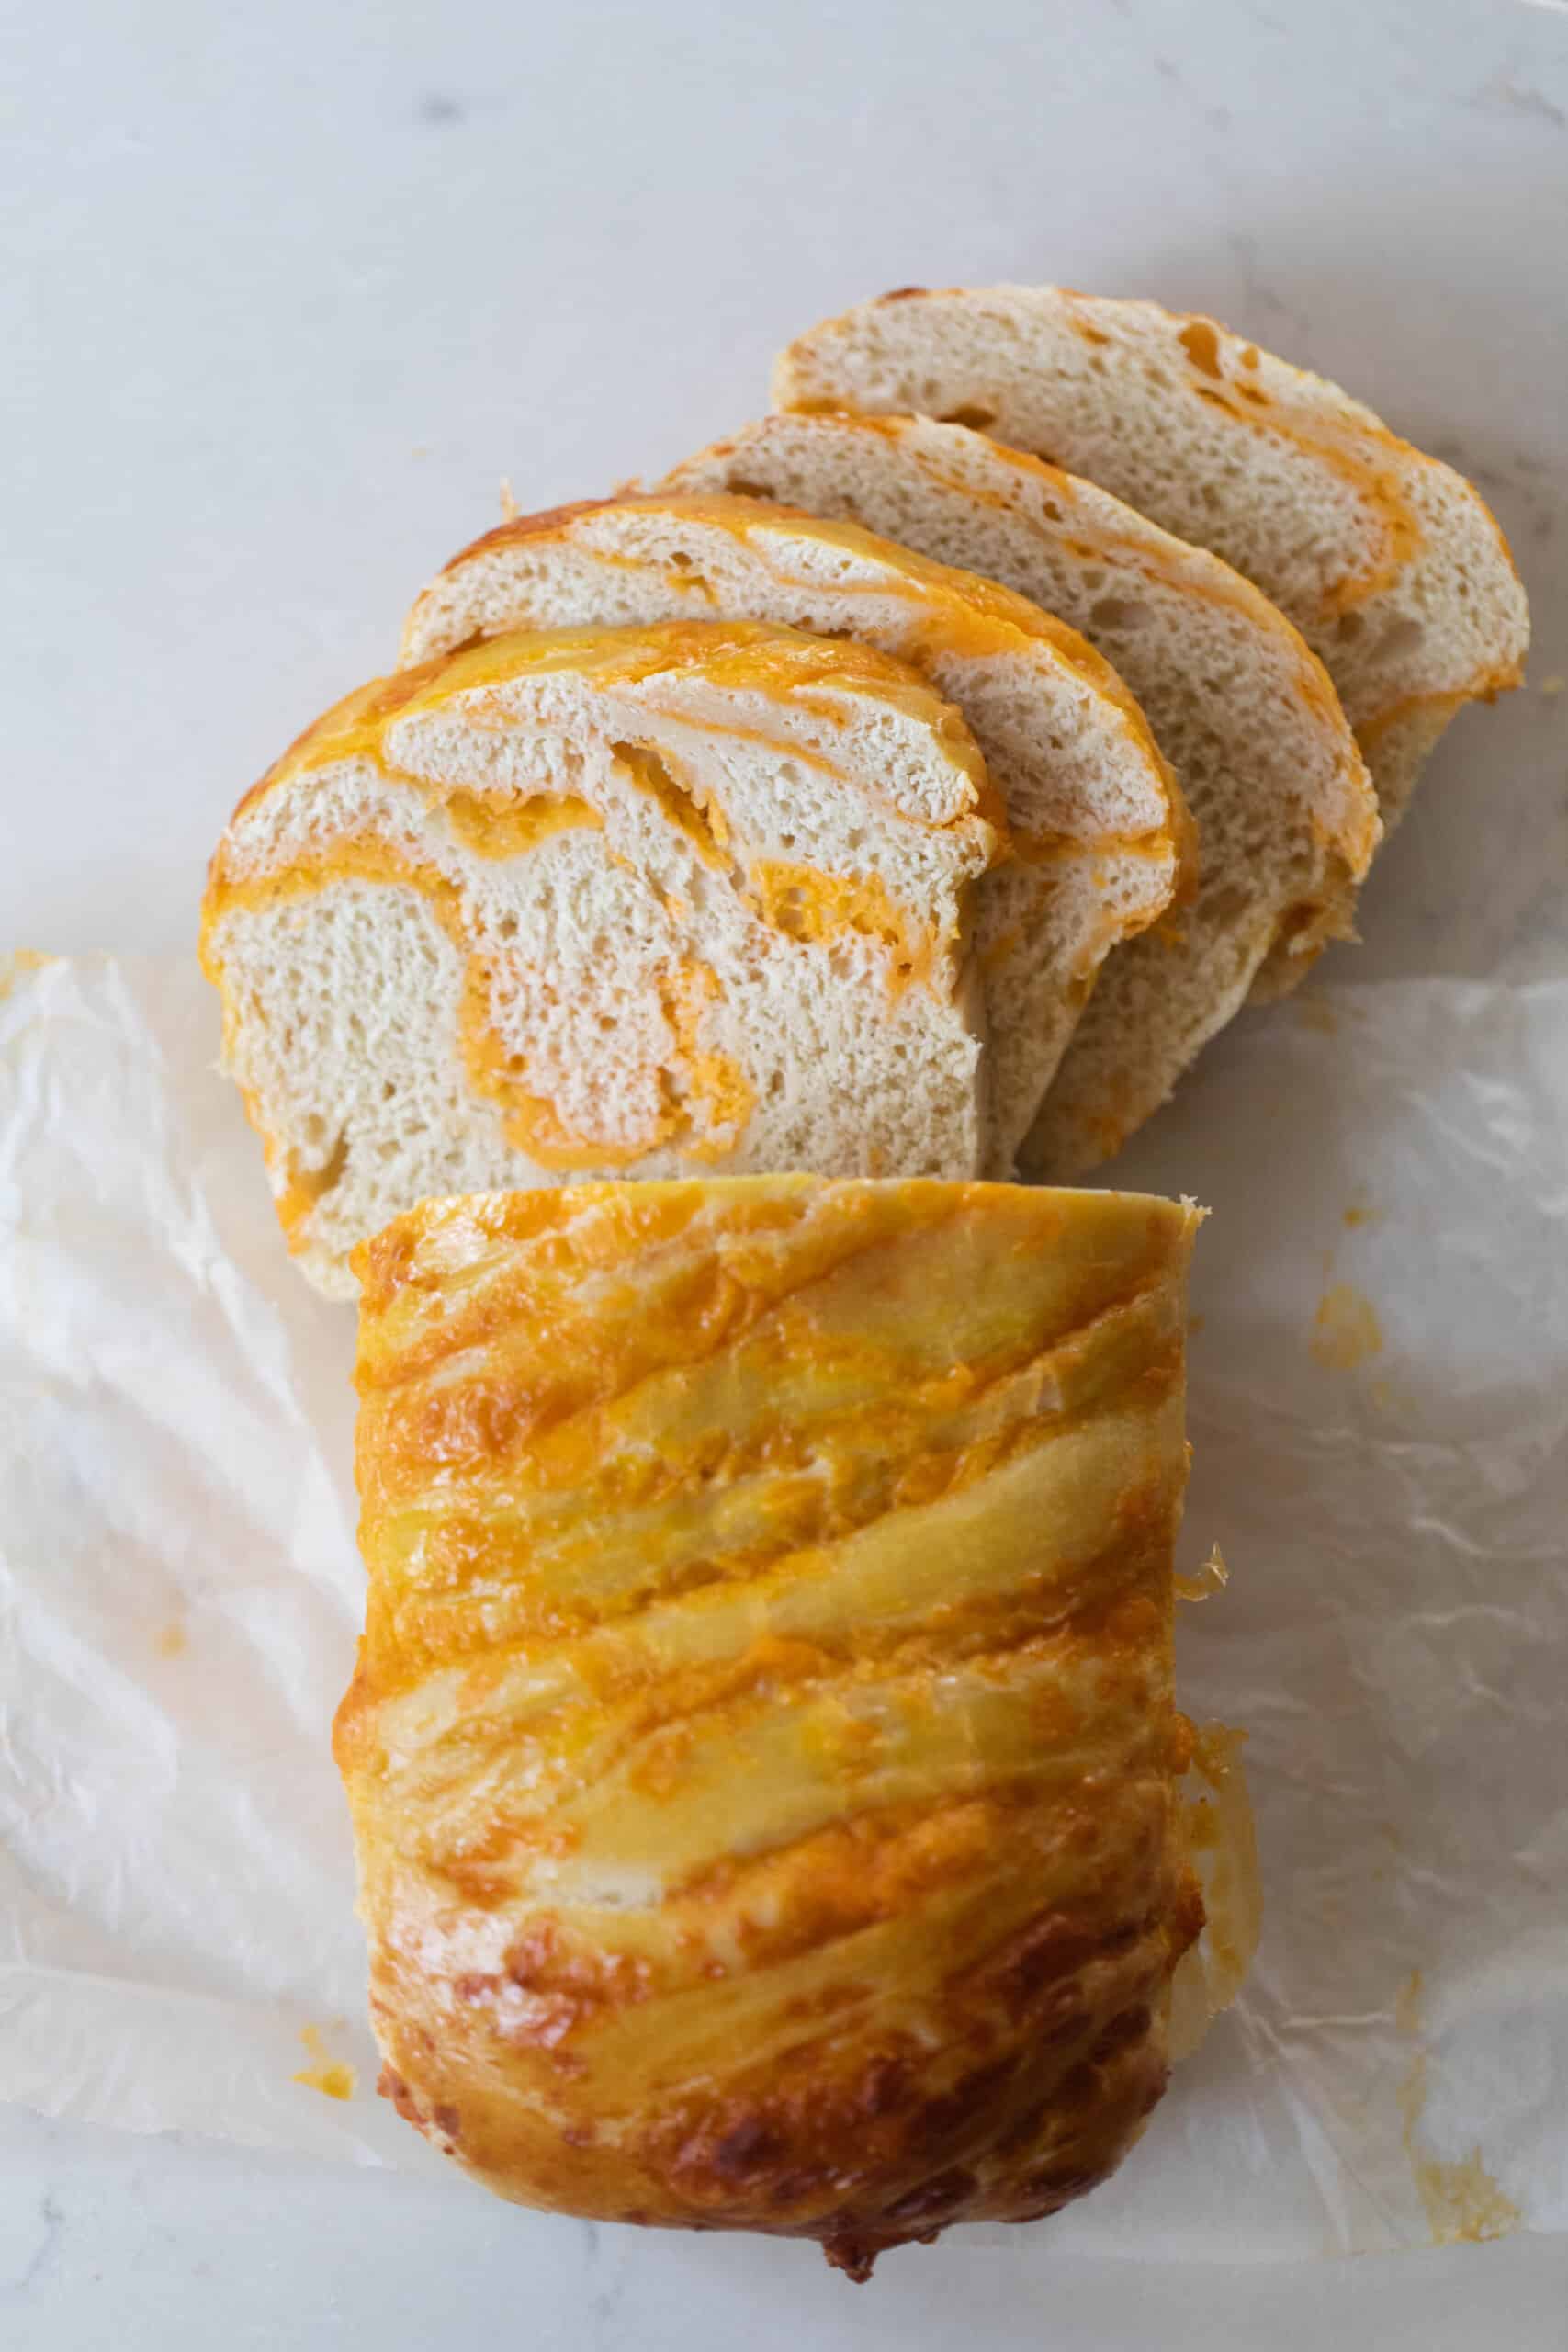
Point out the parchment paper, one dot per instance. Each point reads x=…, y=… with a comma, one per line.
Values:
x=1379, y=1408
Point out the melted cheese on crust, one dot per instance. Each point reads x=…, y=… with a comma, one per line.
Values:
x=762, y=1750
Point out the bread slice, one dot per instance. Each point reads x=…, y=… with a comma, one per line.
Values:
x=640, y=902
x=1099, y=831
x=1244, y=712
x=1389, y=563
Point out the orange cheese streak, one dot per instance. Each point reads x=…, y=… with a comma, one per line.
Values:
x=1343, y=447
x=533, y=1123
x=786, y=665
x=694, y=812
x=1355, y=842
x=809, y=905
x=797, y=900
x=503, y=824
x=977, y=618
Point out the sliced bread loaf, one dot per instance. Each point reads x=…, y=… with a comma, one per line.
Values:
x=1242, y=710
x=1389, y=562
x=1099, y=830
x=639, y=902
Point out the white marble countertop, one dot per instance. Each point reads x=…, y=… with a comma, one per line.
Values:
x=116, y=2244
x=291, y=289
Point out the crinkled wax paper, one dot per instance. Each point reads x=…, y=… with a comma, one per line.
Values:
x=1380, y=1410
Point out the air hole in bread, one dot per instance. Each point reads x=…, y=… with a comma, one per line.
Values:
x=749, y=489
x=977, y=418
x=1118, y=612
x=1401, y=635
x=681, y=560
x=1349, y=627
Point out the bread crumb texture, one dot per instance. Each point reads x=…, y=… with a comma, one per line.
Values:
x=1100, y=835
x=604, y=900
x=1389, y=562
x=1238, y=704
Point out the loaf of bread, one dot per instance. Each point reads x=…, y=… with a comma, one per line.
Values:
x=1241, y=708
x=762, y=1754
x=1099, y=834
x=1389, y=562
x=610, y=901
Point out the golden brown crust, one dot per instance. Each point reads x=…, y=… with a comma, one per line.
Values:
x=523, y=527
x=762, y=1752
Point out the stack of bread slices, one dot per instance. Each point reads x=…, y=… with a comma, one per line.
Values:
x=910, y=784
